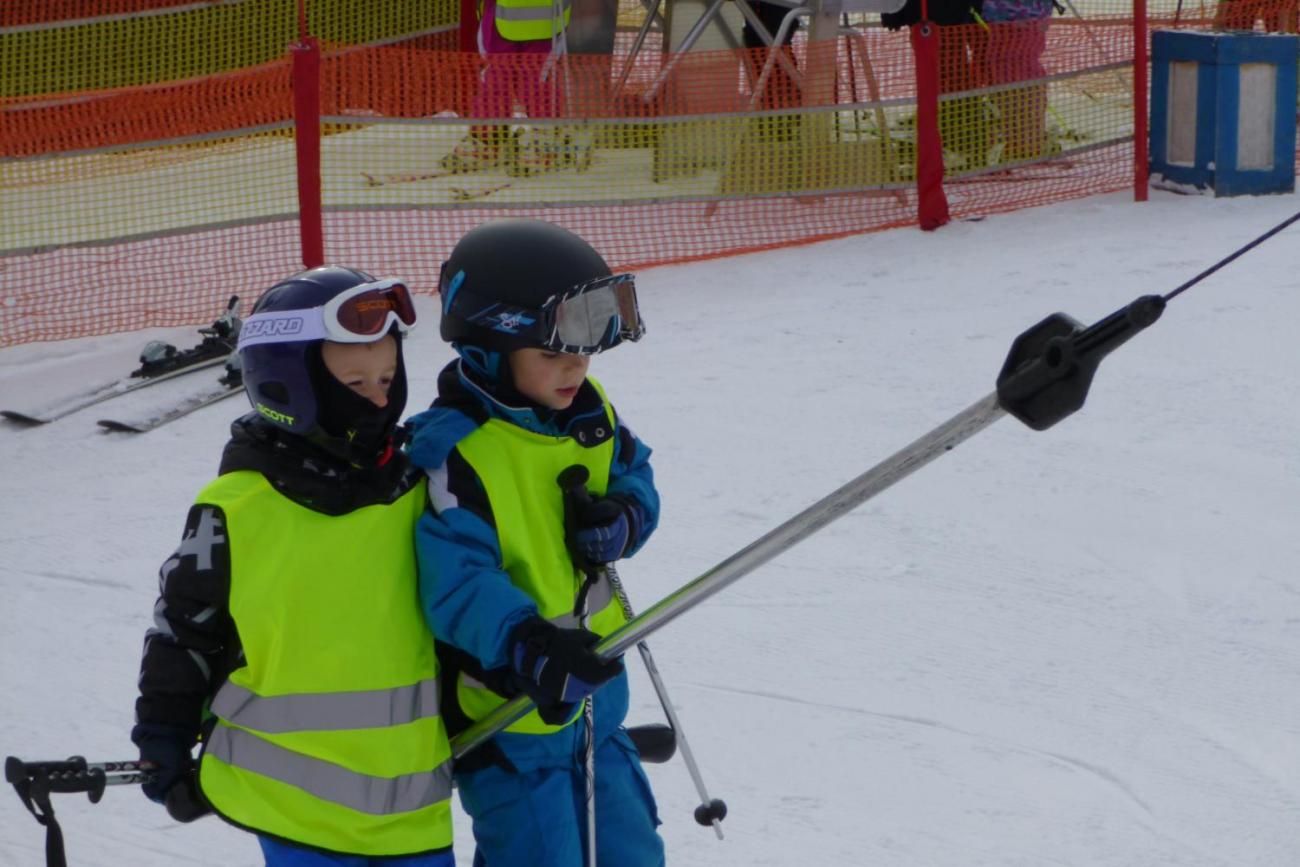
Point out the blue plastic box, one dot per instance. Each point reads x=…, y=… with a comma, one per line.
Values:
x=1223, y=111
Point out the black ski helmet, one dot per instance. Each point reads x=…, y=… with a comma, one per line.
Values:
x=283, y=380
x=515, y=263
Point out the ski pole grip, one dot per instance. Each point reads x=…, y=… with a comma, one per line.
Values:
x=573, y=482
x=573, y=485
x=62, y=777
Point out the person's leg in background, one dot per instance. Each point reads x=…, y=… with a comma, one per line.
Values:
x=963, y=125
x=485, y=146
x=1015, y=55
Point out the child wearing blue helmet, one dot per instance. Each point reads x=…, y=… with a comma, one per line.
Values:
x=503, y=575
x=288, y=641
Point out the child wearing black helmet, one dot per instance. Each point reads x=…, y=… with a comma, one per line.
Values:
x=503, y=575
x=288, y=640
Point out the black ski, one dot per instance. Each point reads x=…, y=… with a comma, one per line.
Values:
x=231, y=383
x=159, y=362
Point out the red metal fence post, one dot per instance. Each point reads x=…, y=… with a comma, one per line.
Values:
x=1141, y=145
x=468, y=25
x=932, y=204
x=307, y=136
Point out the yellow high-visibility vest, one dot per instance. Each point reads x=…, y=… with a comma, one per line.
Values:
x=519, y=469
x=329, y=734
x=530, y=20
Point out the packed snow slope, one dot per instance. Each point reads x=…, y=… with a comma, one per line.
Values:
x=1078, y=647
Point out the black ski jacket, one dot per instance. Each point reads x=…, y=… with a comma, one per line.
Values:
x=193, y=645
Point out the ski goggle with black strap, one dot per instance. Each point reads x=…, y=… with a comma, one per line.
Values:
x=362, y=314
x=587, y=319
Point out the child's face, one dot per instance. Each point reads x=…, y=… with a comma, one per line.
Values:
x=366, y=368
x=549, y=378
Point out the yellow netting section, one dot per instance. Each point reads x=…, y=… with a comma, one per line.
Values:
x=148, y=191
x=166, y=44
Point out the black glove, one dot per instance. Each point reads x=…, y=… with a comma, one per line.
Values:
x=603, y=530
x=557, y=667
x=165, y=750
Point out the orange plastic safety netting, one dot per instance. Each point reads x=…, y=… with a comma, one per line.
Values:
x=150, y=204
x=141, y=206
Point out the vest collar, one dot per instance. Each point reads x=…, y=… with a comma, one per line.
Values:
x=585, y=420
x=311, y=476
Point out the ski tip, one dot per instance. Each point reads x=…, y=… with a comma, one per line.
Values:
x=121, y=427
x=22, y=418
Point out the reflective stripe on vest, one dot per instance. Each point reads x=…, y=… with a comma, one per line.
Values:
x=518, y=469
x=529, y=20
x=329, y=733
x=329, y=711
x=379, y=796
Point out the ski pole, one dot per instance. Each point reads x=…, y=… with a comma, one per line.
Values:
x=581, y=608
x=36, y=781
x=711, y=811
x=1044, y=379
x=589, y=720
x=74, y=774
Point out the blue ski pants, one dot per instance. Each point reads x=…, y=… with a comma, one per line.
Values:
x=281, y=854
x=539, y=818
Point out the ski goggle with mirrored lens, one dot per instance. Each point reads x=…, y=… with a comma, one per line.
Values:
x=587, y=319
x=362, y=314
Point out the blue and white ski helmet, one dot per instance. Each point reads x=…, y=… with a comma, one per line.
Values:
x=503, y=263
x=281, y=378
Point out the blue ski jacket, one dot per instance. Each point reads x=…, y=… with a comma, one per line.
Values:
x=468, y=600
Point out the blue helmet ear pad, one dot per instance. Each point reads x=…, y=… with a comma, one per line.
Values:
x=489, y=364
x=279, y=385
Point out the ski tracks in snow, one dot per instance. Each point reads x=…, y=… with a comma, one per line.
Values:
x=1108, y=778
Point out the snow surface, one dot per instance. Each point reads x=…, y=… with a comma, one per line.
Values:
x=1076, y=647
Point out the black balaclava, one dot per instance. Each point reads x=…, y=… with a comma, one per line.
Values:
x=354, y=427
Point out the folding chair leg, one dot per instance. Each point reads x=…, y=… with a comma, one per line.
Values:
x=774, y=42
x=775, y=53
x=693, y=36
x=652, y=12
